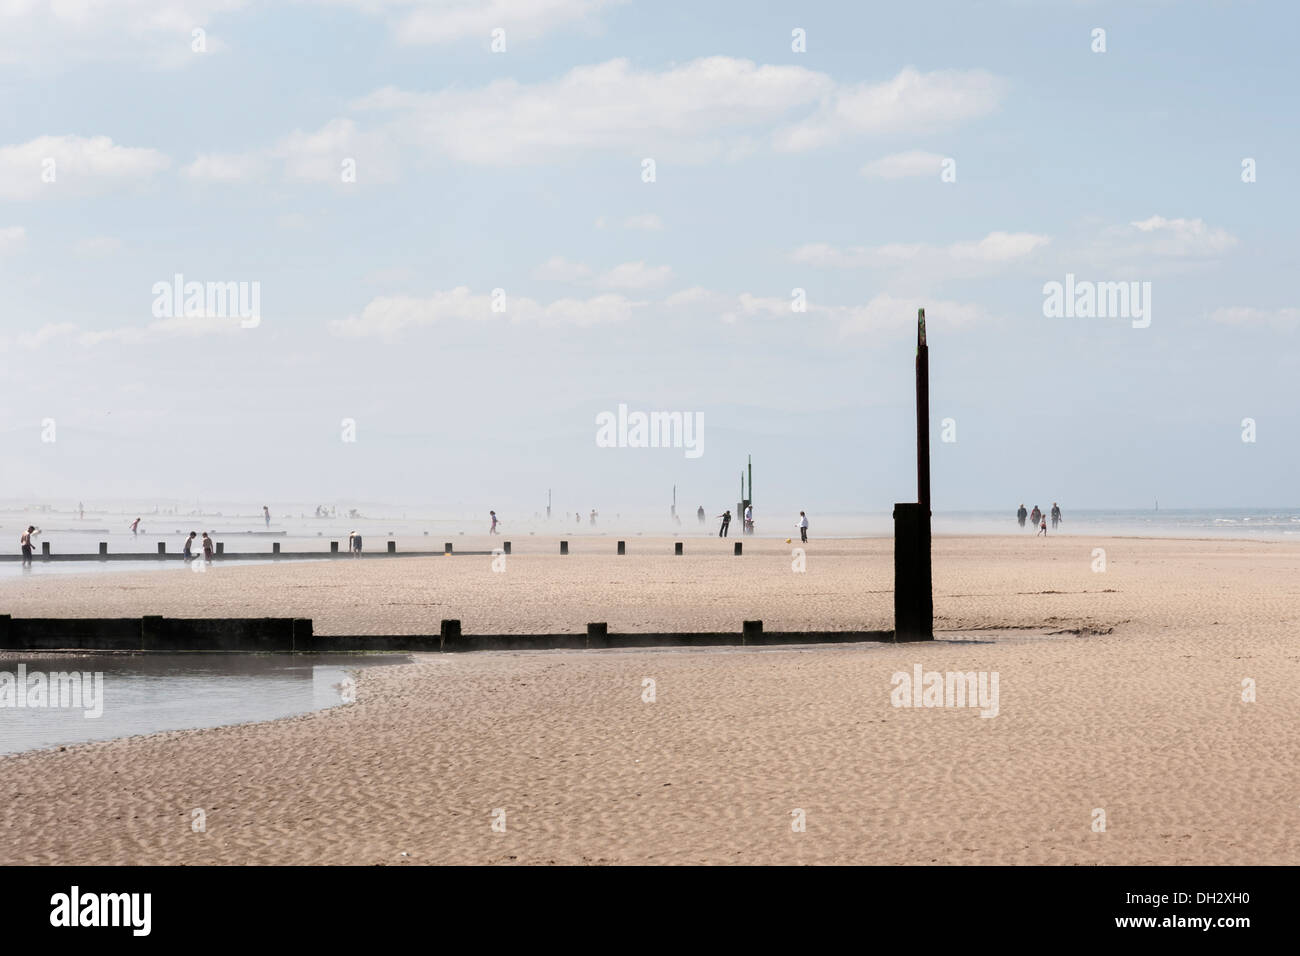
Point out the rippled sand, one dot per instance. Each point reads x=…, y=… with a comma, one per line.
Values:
x=1134, y=707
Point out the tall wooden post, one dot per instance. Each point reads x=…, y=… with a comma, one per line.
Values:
x=913, y=592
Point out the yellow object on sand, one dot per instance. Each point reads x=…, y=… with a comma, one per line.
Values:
x=787, y=540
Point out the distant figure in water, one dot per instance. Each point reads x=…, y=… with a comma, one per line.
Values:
x=266, y=513
x=1042, y=526
x=726, y=523
x=1056, y=515
x=700, y=514
x=494, y=522
x=354, y=543
x=25, y=541
x=135, y=526
x=1021, y=515
x=803, y=527
x=81, y=510
x=593, y=517
x=207, y=548
x=187, y=551
x=1035, y=516
x=577, y=517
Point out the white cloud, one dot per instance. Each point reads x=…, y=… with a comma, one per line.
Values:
x=227, y=168
x=635, y=275
x=387, y=316
x=316, y=157
x=559, y=269
x=902, y=165
x=646, y=221
x=909, y=102
x=12, y=238
x=889, y=312
x=971, y=257
x=128, y=335
x=82, y=166
x=45, y=35
x=1183, y=237
x=450, y=21
x=697, y=111
x=882, y=312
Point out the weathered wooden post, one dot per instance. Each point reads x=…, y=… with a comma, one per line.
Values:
x=103, y=550
x=392, y=547
x=913, y=592
x=622, y=547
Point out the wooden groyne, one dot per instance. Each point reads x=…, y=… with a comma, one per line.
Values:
x=285, y=635
x=275, y=554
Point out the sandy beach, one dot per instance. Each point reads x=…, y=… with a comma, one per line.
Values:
x=1120, y=691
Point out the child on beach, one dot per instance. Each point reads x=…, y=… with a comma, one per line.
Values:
x=354, y=543
x=135, y=526
x=207, y=548
x=1042, y=527
x=494, y=522
x=726, y=523
x=187, y=552
x=803, y=527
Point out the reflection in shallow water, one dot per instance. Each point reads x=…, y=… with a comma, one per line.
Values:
x=49, y=700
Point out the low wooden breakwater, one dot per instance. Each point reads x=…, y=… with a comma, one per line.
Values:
x=296, y=636
x=162, y=554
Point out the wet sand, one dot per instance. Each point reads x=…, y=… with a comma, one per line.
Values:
x=1120, y=690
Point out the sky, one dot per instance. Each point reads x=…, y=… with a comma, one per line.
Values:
x=474, y=227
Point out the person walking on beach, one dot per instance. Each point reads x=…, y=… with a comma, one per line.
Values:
x=593, y=517
x=1034, y=517
x=187, y=550
x=354, y=543
x=803, y=527
x=135, y=526
x=1042, y=526
x=494, y=522
x=700, y=514
x=726, y=523
x=749, y=519
x=25, y=542
x=1056, y=515
x=266, y=513
x=207, y=549
x=1021, y=515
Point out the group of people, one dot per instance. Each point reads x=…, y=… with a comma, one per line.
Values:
x=1037, y=519
x=187, y=551
x=749, y=522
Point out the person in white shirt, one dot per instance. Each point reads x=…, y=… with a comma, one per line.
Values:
x=749, y=519
x=803, y=527
x=25, y=541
